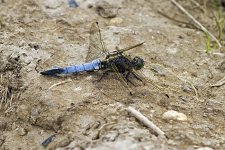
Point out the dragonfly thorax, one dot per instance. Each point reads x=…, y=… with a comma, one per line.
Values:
x=123, y=63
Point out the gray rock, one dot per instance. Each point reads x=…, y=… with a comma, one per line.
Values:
x=214, y=102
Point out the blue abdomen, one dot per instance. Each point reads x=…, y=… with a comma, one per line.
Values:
x=93, y=65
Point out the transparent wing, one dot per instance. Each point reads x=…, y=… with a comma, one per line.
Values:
x=121, y=78
x=120, y=51
x=139, y=76
x=97, y=49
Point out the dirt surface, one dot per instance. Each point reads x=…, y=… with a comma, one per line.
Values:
x=85, y=114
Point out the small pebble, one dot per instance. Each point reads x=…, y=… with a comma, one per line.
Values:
x=21, y=131
x=29, y=69
x=52, y=4
x=95, y=102
x=221, y=66
x=187, y=87
x=172, y=50
x=171, y=142
x=174, y=115
x=214, y=102
x=116, y=20
x=22, y=43
x=111, y=136
x=106, y=10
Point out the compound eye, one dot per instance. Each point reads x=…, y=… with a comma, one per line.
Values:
x=138, y=62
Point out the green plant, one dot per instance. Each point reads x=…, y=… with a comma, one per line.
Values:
x=220, y=21
x=209, y=45
x=219, y=24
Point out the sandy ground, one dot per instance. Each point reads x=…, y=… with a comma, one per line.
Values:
x=85, y=114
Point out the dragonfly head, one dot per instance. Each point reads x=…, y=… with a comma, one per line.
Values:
x=138, y=63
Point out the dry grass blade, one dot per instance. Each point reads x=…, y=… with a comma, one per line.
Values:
x=197, y=22
x=219, y=83
x=6, y=93
x=4, y=97
x=9, y=103
x=60, y=83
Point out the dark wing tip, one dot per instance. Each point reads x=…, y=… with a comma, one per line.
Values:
x=52, y=72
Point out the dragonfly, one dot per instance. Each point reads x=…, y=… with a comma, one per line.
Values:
x=99, y=58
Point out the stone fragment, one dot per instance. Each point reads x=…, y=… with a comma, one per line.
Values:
x=174, y=115
x=21, y=131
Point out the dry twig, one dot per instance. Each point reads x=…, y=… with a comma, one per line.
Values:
x=196, y=3
x=145, y=121
x=104, y=126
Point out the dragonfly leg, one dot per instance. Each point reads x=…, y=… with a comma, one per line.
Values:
x=127, y=75
x=127, y=78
